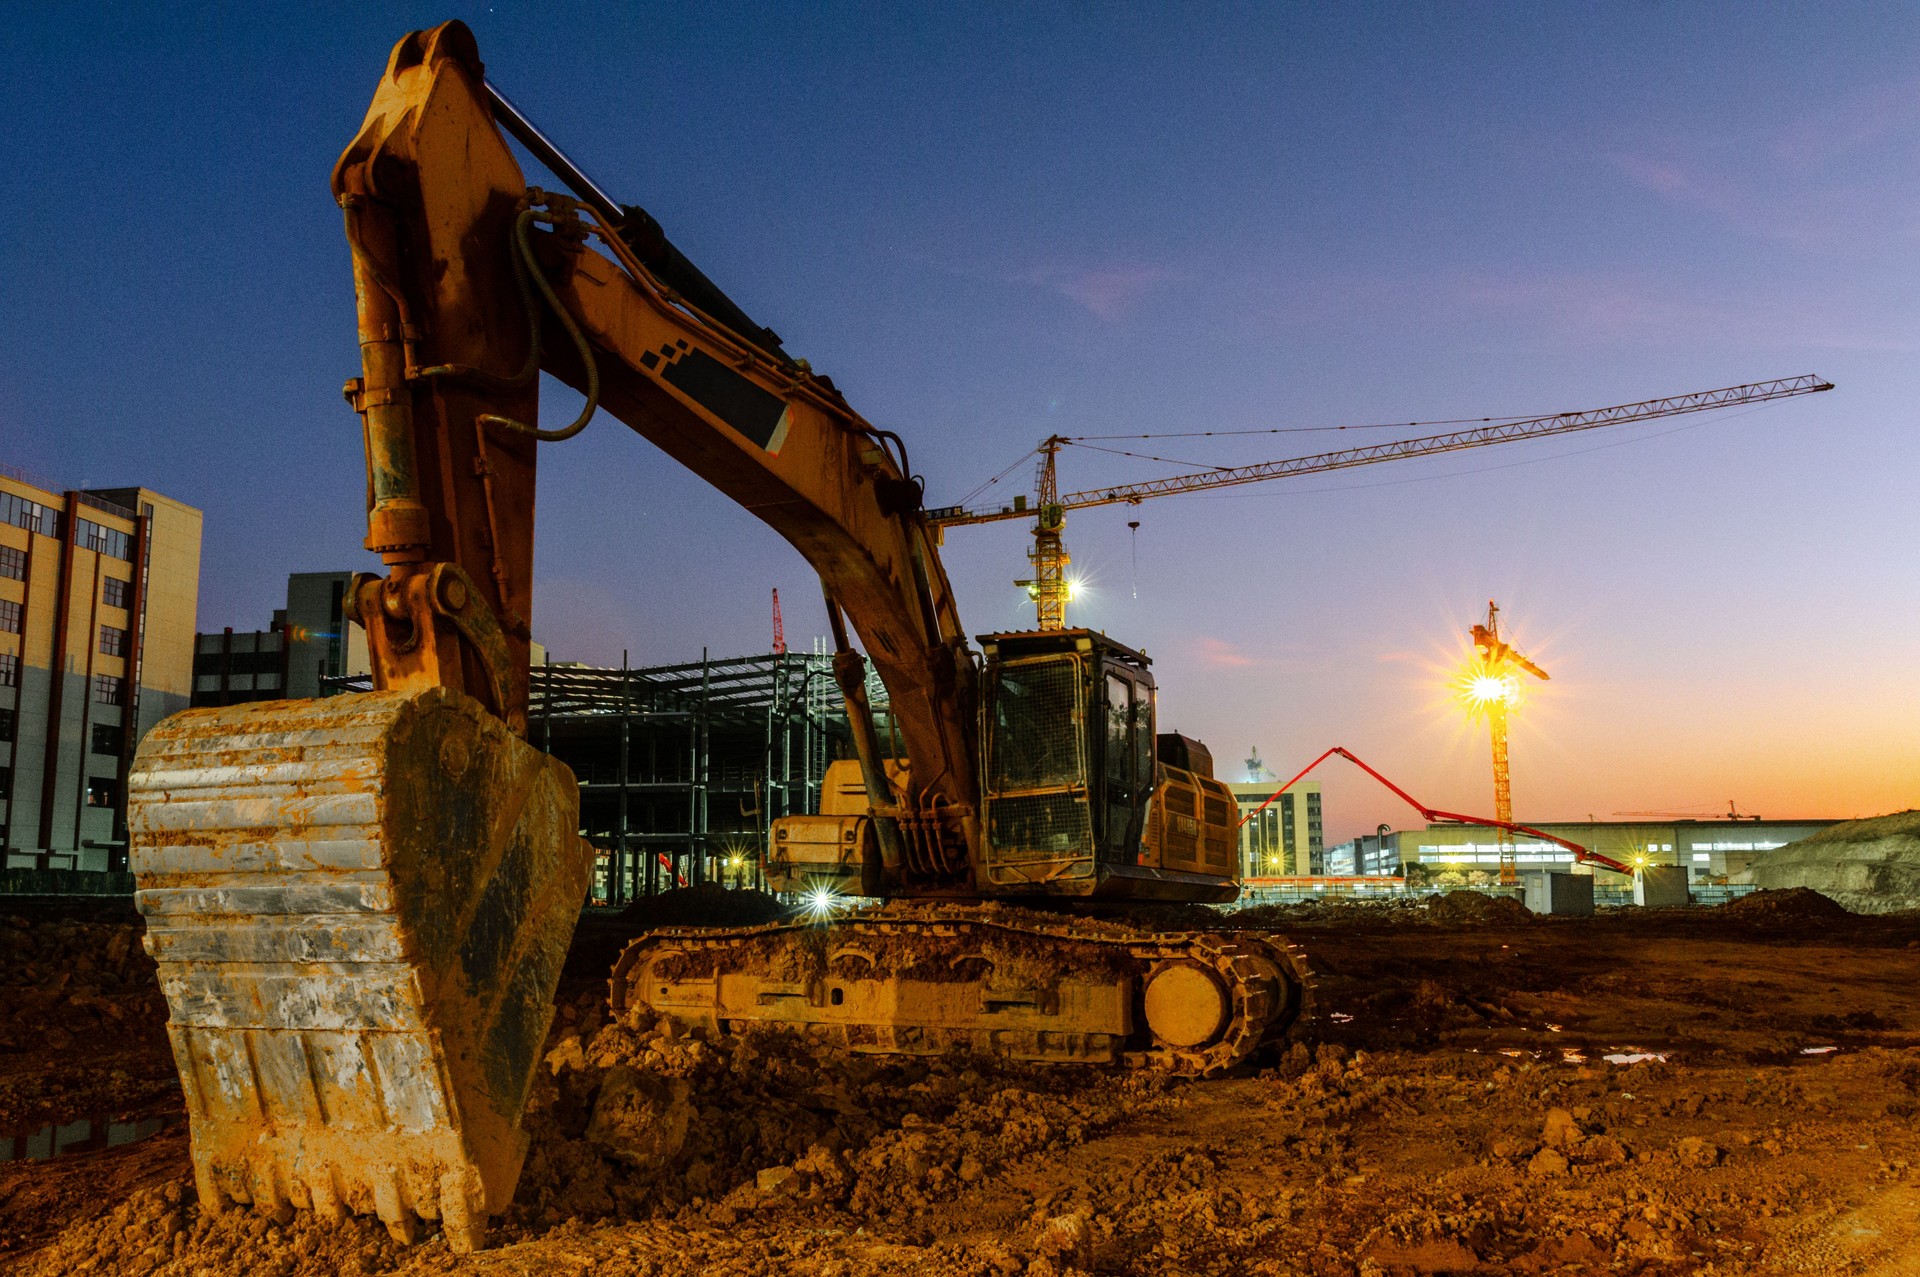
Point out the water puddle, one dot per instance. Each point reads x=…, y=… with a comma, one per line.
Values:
x=1634, y=1055
x=1341, y=1017
x=85, y=1135
x=1817, y=1050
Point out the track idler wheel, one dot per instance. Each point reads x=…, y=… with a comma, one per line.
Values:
x=1210, y=1004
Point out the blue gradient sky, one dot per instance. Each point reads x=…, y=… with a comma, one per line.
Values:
x=991, y=224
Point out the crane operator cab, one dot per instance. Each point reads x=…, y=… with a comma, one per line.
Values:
x=1081, y=796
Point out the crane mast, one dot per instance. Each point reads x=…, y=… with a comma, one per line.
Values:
x=1493, y=687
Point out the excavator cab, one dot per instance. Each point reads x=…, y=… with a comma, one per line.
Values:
x=1081, y=796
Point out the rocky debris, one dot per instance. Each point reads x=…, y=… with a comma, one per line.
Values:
x=1547, y=1163
x=1868, y=866
x=161, y=1232
x=1696, y=1151
x=79, y=985
x=639, y=1115
x=1561, y=1131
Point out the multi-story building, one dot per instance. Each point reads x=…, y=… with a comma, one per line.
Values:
x=309, y=640
x=1284, y=839
x=97, y=596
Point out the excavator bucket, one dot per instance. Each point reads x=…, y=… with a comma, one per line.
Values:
x=359, y=906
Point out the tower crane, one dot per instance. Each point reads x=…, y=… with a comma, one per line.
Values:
x=1493, y=688
x=1049, y=585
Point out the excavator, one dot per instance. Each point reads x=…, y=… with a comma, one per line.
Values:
x=360, y=904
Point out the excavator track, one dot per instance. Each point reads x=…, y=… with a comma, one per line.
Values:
x=923, y=979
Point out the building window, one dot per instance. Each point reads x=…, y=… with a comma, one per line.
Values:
x=31, y=515
x=6, y=724
x=108, y=738
x=9, y=670
x=100, y=791
x=108, y=690
x=102, y=540
x=113, y=591
x=9, y=617
x=113, y=641
x=13, y=563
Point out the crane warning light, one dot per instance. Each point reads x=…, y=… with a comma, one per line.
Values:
x=1486, y=687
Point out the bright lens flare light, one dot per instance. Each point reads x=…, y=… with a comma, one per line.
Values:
x=822, y=903
x=1488, y=688
x=1481, y=690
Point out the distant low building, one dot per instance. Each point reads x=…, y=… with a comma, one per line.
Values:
x=98, y=590
x=310, y=639
x=1709, y=849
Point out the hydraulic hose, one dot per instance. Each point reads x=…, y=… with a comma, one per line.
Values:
x=530, y=266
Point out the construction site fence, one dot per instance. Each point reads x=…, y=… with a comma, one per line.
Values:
x=65, y=882
x=1293, y=891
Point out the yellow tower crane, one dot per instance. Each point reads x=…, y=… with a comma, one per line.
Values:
x=1052, y=591
x=1492, y=688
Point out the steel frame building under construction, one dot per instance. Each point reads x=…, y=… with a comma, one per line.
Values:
x=682, y=767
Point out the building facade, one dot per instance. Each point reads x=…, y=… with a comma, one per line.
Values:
x=310, y=640
x=98, y=591
x=1368, y=855
x=1711, y=850
x=1283, y=840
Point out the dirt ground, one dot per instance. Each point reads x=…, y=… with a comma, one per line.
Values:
x=1452, y=1109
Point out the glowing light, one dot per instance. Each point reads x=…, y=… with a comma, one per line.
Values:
x=734, y=862
x=1074, y=587
x=1487, y=688
x=823, y=903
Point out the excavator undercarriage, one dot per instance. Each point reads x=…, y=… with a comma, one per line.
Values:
x=926, y=978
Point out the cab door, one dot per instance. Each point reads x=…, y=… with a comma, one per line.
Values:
x=1127, y=770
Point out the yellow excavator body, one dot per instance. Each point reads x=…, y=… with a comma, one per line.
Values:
x=360, y=904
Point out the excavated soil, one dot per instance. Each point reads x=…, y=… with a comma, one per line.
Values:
x=1699, y=1091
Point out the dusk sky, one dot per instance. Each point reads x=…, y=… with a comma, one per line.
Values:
x=990, y=224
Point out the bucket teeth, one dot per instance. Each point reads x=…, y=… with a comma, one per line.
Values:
x=359, y=907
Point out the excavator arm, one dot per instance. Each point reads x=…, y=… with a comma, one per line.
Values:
x=468, y=284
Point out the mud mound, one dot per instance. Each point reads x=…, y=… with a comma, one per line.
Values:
x=706, y=905
x=1788, y=904
x=1470, y=908
x=162, y=1231
x=1869, y=866
x=1335, y=909
x=637, y=1117
x=77, y=984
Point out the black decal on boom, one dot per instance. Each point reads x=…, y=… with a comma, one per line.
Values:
x=754, y=412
